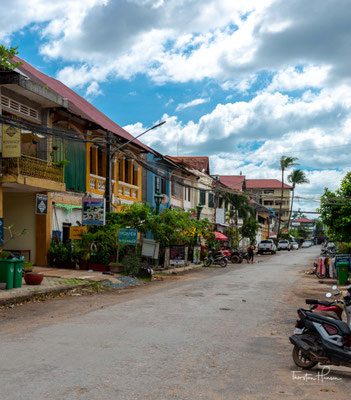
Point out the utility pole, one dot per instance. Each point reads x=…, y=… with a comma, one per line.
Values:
x=108, y=182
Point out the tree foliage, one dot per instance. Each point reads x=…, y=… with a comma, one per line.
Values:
x=6, y=55
x=335, y=210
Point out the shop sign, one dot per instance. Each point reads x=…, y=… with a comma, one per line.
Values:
x=11, y=141
x=94, y=211
x=76, y=232
x=220, y=216
x=41, y=204
x=177, y=255
x=128, y=236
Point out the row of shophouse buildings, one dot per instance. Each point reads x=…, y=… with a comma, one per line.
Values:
x=66, y=146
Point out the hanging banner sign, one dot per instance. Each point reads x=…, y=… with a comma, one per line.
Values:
x=94, y=211
x=41, y=204
x=76, y=232
x=128, y=236
x=11, y=142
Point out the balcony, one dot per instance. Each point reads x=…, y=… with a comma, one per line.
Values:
x=31, y=171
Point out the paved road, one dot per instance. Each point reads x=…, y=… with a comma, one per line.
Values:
x=220, y=334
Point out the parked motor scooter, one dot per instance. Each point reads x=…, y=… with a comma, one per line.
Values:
x=216, y=258
x=320, y=335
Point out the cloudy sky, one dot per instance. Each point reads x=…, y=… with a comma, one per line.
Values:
x=242, y=81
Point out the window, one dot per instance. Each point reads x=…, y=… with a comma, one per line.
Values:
x=202, y=197
x=268, y=192
x=100, y=162
x=211, y=200
x=268, y=203
x=187, y=193
x=160, y=185
x=136, y=175
x=220, y=205
x=177, y=190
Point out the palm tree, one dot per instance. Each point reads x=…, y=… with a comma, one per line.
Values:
x=297, y=177
x=242, y=208
x=285, y=162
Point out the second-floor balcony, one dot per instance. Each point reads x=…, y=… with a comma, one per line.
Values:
x=33, y=172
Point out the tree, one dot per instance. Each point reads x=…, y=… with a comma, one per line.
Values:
x=297, y=177
x=6, y=55
x=285, y=162
x=335, y=211
x=249, y=229
x=242, y=208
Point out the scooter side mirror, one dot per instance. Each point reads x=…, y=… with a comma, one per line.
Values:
x=328, y=295
x=334, y=287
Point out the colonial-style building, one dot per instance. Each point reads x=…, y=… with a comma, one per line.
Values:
x=63, y=143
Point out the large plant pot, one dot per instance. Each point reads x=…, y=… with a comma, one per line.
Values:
x=99, y=267
x=33, y=278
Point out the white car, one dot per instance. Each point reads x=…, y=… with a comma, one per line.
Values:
x=306, y=243
x=294, y=245
x=284, y=245
x=267, y=246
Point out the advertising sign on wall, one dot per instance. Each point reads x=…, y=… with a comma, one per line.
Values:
x=75, y=232
x=41, y=204
x=128, y=236
x=177, y=255
x=11, y=141
x=94, y=211
x=220, y=216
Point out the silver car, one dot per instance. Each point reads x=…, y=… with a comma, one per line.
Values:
x=284, y=245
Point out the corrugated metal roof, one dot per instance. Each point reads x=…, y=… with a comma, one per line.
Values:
x=265, y=184
x=233, y=181
x=76, y=104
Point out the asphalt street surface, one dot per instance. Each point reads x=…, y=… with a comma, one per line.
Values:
x=213, y=334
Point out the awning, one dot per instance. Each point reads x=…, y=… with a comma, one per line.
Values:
x=273, y=235
x=220, y=236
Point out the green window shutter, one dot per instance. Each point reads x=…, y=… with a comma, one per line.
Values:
x=75, y=170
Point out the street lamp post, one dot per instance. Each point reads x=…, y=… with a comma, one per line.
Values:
x=158, y=201
x=199, y=208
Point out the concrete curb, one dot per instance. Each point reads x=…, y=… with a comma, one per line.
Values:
x=27, y=296
x=175, y=271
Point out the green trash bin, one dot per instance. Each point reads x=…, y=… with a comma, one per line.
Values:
x=7, y=269
x=18, y=272
x=343, y=272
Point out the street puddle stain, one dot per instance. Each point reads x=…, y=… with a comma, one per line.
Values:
x=226, y=309
x=194, y=294
x=222, y=294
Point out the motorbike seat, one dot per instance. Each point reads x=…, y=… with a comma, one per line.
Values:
x=342, y=326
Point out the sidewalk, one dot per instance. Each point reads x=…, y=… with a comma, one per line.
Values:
x=177, y=270
x=55, y=280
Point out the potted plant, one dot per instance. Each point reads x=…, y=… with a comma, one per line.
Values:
x=115, y=267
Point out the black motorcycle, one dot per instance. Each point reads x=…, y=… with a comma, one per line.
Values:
x=216, y=258
x=237, y=256
x=321, y=338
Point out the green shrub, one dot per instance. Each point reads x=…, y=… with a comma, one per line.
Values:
x=344, y=248
x=131, y=264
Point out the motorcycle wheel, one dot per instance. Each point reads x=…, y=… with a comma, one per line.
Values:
x=235, y=259
x=223, y=263
x=301, y=359
x=240, y=260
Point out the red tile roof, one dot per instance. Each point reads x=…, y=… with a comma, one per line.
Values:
x=76, y=104
x=265, y=184
x=198, y=163
x=233, y=181
x=304, y=220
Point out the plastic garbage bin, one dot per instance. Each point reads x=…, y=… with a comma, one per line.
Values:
x=343, y=272
x=17, y=273
x=7, y=269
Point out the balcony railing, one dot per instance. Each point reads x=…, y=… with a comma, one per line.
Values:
x=33, y=167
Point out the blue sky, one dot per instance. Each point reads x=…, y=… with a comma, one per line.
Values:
x=243, y=81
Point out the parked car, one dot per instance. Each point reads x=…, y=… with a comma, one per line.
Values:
x=294, y=245
x=306, y=243
x=284, y=245
x=267, y=246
